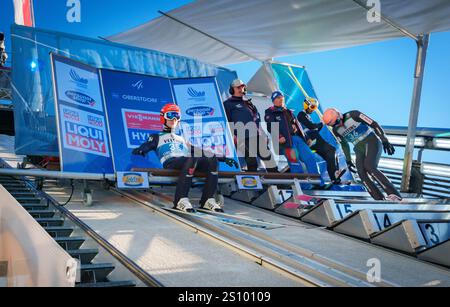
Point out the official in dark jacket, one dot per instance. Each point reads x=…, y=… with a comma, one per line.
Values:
x=241, y=112
x=293, y=141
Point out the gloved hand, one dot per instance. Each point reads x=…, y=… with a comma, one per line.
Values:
x=320, y=126
x=231, y=163
x=138, y=151
x=351, y=167
x=387, y=147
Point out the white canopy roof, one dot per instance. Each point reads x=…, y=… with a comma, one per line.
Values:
x=228, y=31
x=261, y=82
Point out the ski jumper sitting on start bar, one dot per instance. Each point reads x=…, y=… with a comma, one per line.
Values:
x=175, y=153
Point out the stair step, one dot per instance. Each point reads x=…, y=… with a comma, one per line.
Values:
x=42, y=213
x=17, y=189
x=13, y=185
x=60, y=231
x=70, y=243
x=32, y=207
x=54, y=221
x=23, y=194
x=96, y=272
x=91, y=274
x=84, y=255
x=109, y=284
x=28, y=200
x=11, y=182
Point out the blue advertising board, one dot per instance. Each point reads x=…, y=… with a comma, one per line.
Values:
x=82, y=127
x=203, y=118
x=133, y=102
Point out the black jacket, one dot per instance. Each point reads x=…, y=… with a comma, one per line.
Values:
x=286, y=120
x=240, y=111
x=311, y=129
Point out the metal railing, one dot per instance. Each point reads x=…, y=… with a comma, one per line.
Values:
x=426, y=138
x=428, y=179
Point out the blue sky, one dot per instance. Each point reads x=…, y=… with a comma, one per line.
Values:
x=376, y=78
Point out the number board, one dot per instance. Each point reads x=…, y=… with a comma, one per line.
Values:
x=435, y=233
x=385, y=219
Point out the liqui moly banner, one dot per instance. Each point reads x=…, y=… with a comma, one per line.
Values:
x=83, y=131
x=133, y=102
x=203, y=119
x=82, y=127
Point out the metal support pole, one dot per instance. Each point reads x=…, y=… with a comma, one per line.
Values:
x=55, y=174
x=422, y=47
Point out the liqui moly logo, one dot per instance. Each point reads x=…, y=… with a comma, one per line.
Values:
x=95, y=121
x=86, y=138
x=71, y=115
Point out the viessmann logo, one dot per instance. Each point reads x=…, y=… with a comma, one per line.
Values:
x=200, y=111
x=132, y=179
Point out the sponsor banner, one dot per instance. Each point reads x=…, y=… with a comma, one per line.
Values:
x=209, y=135
x=83, y=131
x=203, y=119
x=249, y=182
x=78, y=86
x=138, y=125
x=133, y=102
x=82, y=127
x=132, y=180
x=198, y=100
